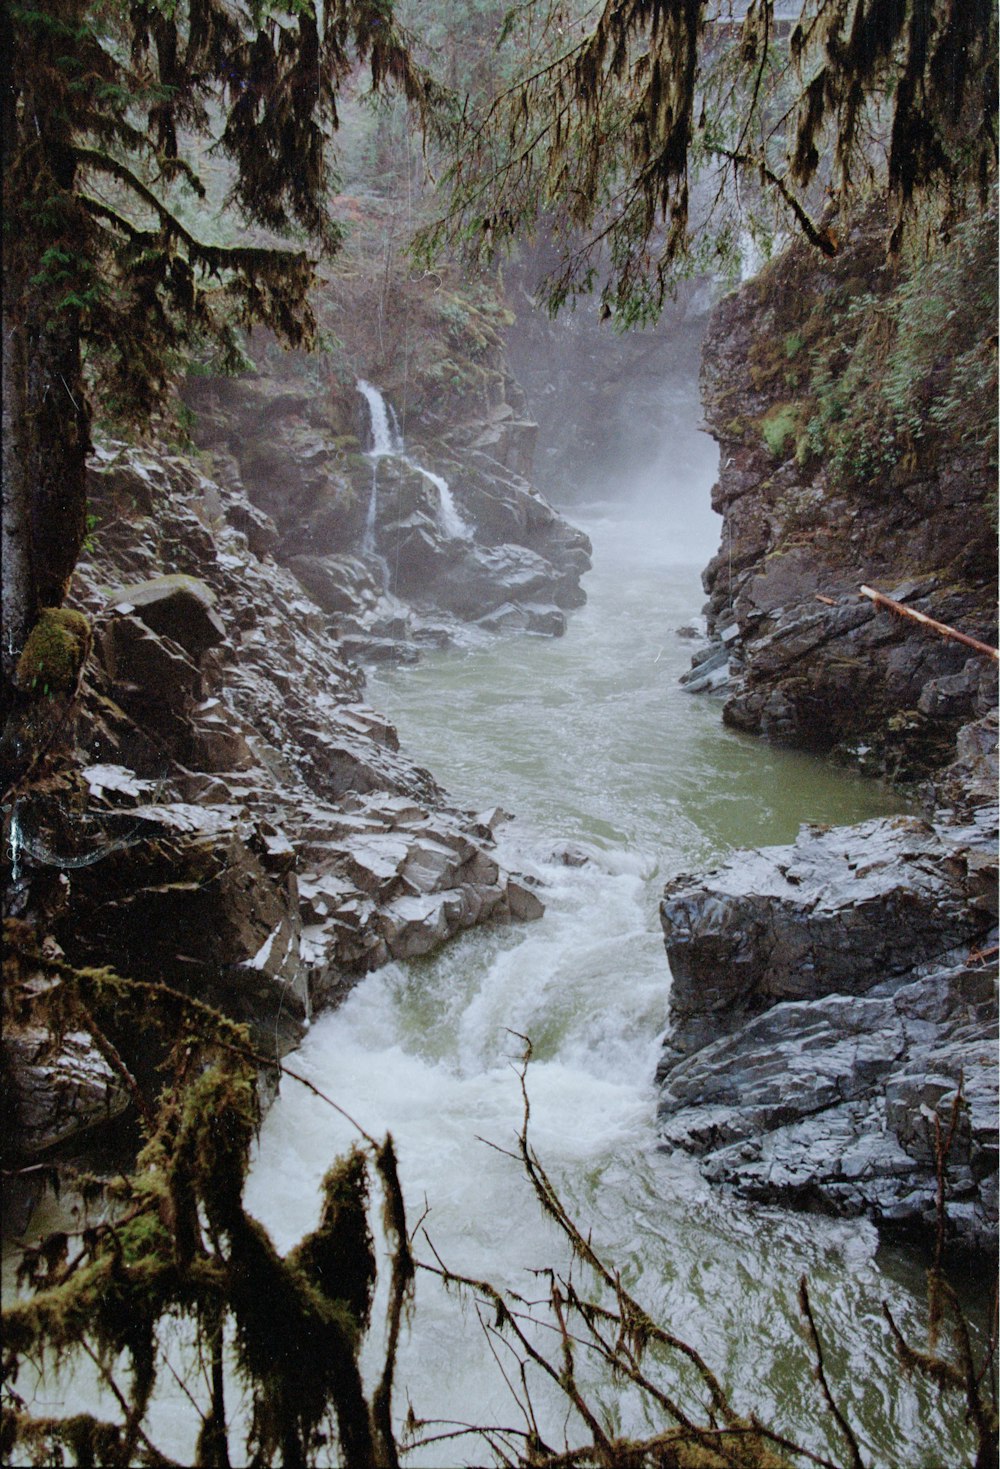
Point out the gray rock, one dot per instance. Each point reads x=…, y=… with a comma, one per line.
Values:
x=838, y=912
x=58, y=1088
x=819, y=1027
x=178, y=607
x=336, y=583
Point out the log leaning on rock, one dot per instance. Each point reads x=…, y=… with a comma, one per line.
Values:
x=881, y=600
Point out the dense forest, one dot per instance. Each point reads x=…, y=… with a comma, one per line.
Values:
x=321, y=323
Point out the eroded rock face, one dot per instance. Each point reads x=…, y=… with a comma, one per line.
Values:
x=831, y=1104
x=378, y=543
x=221, y=811
x=840, y=911
x=811, y=663
x=824, y=1011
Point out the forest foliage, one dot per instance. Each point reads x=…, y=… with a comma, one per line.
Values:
x=636, y=135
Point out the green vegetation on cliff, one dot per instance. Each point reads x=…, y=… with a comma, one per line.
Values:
x=877, y=364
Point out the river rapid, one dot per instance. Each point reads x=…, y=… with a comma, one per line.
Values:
x=595, y=747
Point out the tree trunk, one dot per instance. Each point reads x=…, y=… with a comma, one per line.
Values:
x=20, y=600
x=45, y=414
x=58, y=443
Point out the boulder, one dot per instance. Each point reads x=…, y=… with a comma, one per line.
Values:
x=143, y=666
x=828, y=1000
x=336, y=583
x=832, y=1104
x=486, y=577
x=840, y=911
x=55, y=1087
x=188, y=896
x=178, y=607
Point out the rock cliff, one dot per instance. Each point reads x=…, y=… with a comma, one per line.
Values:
x=832, y=999
x=406, y=544
x=813, y=509
x=209, y=802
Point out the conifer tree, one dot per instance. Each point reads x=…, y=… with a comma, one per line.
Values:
x=620, y=112
x=105, y=108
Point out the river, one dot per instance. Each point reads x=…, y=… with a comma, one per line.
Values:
x=594, y=746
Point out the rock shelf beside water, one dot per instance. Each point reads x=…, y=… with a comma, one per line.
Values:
x=827, y=1002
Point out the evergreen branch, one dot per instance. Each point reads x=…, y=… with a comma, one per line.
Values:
x=118, y=221
x=816, y=235
x=245, y=258
x=104, y=163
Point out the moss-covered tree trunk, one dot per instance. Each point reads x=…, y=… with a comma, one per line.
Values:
x=45, y=415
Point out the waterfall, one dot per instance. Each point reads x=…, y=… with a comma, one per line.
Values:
x=387, y=439
x=450, y=518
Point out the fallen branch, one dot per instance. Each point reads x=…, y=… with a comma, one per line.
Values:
x=881, y=600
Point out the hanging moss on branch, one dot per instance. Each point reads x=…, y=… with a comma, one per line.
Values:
x=177, y=1245
x=643, y=140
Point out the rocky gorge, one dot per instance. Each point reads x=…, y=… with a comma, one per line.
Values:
x=834, y=1001
x=199, y=795
x=208, y=800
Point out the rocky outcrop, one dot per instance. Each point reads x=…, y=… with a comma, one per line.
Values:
x=811, y=662
x=217, y=808
x=405, y=548
x=829, y=999
x=828, y=1002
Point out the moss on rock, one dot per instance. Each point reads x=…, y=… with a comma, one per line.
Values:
x=57, y=648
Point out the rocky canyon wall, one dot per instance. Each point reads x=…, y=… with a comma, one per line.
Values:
x=834, y=1001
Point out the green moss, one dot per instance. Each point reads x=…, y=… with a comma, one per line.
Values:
x=57, y=648
x=780, y=426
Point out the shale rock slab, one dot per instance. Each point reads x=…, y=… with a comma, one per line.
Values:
x=828, y=1003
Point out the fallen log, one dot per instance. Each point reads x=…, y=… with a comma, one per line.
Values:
x=881, y=600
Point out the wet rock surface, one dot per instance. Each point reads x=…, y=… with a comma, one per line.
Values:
x=810, y=662
x=828, y=1001
x=410, y=547
x=219, y=809
x=828, y=998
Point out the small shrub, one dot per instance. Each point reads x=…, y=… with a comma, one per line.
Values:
x=779, y=426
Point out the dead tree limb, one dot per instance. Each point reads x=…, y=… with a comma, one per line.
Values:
x=881, y=600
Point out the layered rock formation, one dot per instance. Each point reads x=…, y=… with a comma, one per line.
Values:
x=831, y=1000
x=214, y=806
x=405, y=547
x=811, y=663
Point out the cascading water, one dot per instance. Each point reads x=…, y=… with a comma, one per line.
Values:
x=450, y=518
x=610, y=763
x=387, y=439
x=385, y=434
